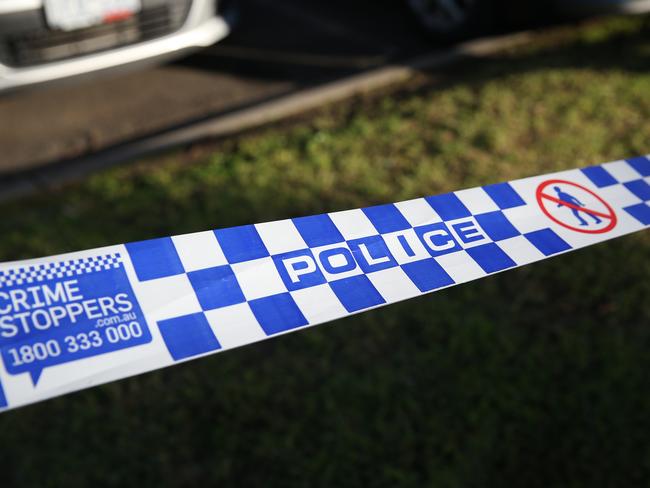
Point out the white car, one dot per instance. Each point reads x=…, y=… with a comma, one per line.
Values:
x=48, y=40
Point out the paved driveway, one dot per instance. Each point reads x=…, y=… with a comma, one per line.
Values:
x=278, y=47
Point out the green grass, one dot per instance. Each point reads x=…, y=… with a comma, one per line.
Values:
x=536, y=377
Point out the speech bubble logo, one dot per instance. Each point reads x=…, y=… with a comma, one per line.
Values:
x=19, y=359
x=64, y=311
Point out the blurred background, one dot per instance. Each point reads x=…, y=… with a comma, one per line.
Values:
x=537, y=377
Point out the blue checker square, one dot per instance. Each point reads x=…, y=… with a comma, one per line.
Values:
x=448, y=206
x=599, y=176
x=155, y=258
x=317, y=230
x=640, y=188
x=491, y=257
x=356, y=293
x=640, y=164
x=3, y=399
x=504, y=195
x=386, y=218
x=497, y=226
x=241, y=243
x=640, y=211
x=372, y=254
x=298, y=269
x=277, y=313
x=427, y=274
x=216, y=287
x=187, y=336
x=547, y=241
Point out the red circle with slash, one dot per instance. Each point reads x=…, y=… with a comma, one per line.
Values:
x=543, y=199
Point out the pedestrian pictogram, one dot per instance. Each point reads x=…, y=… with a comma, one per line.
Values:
x=575, y=207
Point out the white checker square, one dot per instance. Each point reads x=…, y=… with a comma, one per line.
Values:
x=167, y=297
x=319, y=304
x=521, y=250
x=235, y=325
x=393, y=284
x=618, y=196
x=418, y=212
x=281, y=236
x=477, y=201
x=199, y=250
x=622, y=171
x=460, y=266
x=258, y=278
x=526, y=218
x=353, y=224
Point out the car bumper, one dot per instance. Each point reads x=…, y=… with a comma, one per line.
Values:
x=201, y=29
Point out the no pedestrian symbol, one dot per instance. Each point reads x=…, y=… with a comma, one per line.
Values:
x=575, y=207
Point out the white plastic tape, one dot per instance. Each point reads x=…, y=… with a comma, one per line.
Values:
x=72, y=321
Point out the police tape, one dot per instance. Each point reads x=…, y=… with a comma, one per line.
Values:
x=72, y=321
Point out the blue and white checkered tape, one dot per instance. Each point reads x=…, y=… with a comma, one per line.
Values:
x=71, y=321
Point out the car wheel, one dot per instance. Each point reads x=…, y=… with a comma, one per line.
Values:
x=452, y=20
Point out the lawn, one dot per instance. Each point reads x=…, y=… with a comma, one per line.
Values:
x=537, y=377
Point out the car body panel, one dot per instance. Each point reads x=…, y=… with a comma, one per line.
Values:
x=203, y=26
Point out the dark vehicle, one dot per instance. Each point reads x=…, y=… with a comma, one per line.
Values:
x=452, y=20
